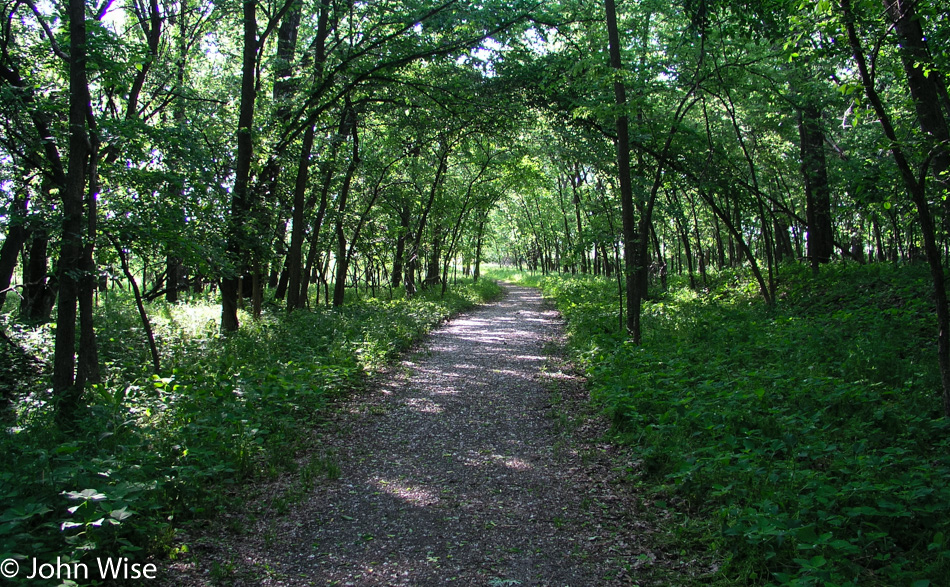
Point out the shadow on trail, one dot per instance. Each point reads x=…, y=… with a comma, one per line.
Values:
x=457, y=475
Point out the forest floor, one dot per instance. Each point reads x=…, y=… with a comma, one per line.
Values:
x=475, y=461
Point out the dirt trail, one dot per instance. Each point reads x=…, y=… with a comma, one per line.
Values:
x=457, y=469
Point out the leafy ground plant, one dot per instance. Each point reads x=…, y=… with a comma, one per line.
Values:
x=805, y=440
x=152, y=452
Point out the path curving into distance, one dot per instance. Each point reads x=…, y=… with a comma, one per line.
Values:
x=457, y=469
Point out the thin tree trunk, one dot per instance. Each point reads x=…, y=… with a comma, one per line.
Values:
x=405, y=217
x=576, y=181
x=476, y=272
x=88, y=347
x=34, y=306
x=295, y=254
x=16, y=236
x=298, y=283
x=314, y=251
x=741, y=245
x=420, y=230
x=143, y=315
x=916, y=189
x=339, y=284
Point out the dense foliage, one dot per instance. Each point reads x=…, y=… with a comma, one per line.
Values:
x=802, y=443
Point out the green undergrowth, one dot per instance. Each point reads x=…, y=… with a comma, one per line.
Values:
x=804, y=443
x=151, y=453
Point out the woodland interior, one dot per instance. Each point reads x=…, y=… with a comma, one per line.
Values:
x=220, y=219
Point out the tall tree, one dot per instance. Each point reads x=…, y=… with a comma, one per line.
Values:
x=240, y=220
x=67, y=387
x=915, y=184
x=631, y=245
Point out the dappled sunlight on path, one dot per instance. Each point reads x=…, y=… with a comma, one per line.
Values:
x=452, y=471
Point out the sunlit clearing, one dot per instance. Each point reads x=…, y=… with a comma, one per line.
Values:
x=194, y=319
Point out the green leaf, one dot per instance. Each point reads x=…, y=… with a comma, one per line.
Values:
x=121, y=514
x=86, y=494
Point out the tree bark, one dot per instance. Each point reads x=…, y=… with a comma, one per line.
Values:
x=631, y=243
x=241, y=198
x=576, y=181
x=88, y=347
x=925, y=87
x=736, y=232
x=342, y=259
x=414, y=252
x=143, y=315
x=151, y=25
x=65, y=389
x=328, y=169
x=917, y=191
x=476, y=271
x=172, y=278
x=295, y=254
x=405, y=217
x=16, y=235
x=817, y=194
x=35, y=305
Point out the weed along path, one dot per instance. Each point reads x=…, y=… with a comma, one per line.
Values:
x=469, y=464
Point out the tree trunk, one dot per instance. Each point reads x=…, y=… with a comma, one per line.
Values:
x=35, y=305
x=405, y=217
x=339, y=284
x=700, y=252
x=297, y=282
x=420, y=230
x=172, y=278
x=88, y=348
x=257, y=291
x=16, y=236
x=576, y=181
x=815, y=177
x=682, y=230
x=631, y=245
x=241, y=199
x=925, y=86
x=783, y=243
x=70, y=260
x=435, y=255
x=143, y=315
x=476, y=272
x=328, y=170
x=295, y=254
x=917, y=191
x=736, y=233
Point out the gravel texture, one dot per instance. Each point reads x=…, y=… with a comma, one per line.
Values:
x=472, y=463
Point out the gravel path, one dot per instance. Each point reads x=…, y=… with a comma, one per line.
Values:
x=457, y=469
